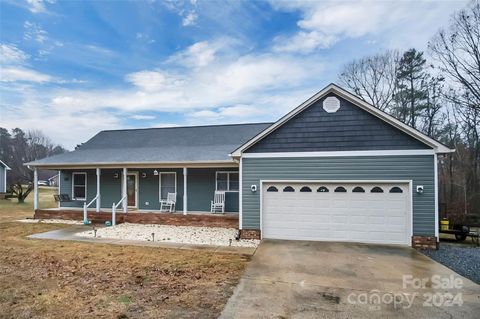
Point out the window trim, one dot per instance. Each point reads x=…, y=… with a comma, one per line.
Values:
x=228, y=181
x=160, y=183
x=73, y=186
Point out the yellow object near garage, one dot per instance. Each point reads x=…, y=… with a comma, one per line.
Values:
x=444, y=224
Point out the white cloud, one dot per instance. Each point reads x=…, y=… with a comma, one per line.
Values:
x=190, y=19
x=34, y=32
x=38, y=6
x=142, y=117
x=198, y=54
x=151, y=81
x=14, y=74
x=324, y=23
x=10, y=54
x=304, y=41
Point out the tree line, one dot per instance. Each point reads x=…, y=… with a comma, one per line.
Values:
x=18, y=147
x=438, y=93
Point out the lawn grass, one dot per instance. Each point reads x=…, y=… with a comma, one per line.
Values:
x=10, y=209
x=60, y=279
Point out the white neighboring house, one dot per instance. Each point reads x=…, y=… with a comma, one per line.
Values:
x=3, y=176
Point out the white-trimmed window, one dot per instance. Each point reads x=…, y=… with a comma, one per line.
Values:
x=79, y=186
x=168, y=184
x=226, y=181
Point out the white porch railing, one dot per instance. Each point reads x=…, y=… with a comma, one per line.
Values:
x=114, y=210
x=85, y=208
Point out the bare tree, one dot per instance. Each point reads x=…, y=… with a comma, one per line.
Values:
x=458, y=50
x=373, y=78
x=432, y=115
x=22, y=148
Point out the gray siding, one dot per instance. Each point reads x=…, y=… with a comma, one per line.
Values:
x=200, y=182
x=419, y=168
x=349, y=129
x=3, y=171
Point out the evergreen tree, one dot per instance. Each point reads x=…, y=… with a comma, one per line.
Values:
x=411, y=95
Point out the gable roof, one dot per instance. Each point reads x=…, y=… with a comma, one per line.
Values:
x=5, y=165
x=333, y=88
x=191, y=144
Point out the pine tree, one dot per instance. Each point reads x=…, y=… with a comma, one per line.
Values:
x=410, y=96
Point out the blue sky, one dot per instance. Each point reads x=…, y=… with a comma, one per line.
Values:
x=73, y=68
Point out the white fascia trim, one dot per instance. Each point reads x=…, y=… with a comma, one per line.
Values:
x=344, y=181
x=6, y=166
x=437, y=146
x=192, y=164
x=339, y=154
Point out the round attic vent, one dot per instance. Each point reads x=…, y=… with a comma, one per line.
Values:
x=331, y=104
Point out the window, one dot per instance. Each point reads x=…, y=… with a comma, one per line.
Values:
x=168, y=184
x=227, y=181
x=322, y=189
x=396, y=190
x=358, y=189
x=79, y=186
x=305, y=189
x=340, y=189
x=272, y=189
x=289, y=189
x=376, y=189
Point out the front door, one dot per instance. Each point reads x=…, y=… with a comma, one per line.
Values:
x=132, y=190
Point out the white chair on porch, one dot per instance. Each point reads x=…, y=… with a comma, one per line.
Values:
x=218, y=203
x=168, y=205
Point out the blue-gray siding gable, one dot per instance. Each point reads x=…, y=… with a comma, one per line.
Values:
x=349, y=129
x=418, y=168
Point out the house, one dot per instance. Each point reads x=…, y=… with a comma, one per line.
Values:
x=53, y=181
x=3, y=177
x=334, y=168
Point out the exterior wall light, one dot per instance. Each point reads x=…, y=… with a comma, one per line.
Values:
x=253, y=188
x=115, y=176
x=144, y=175
x=420, y=189
x=155, y=172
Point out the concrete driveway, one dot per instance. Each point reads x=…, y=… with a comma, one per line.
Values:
x=296, y=279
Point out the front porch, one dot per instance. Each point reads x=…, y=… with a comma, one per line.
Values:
x=135, y=194
x=198, y=219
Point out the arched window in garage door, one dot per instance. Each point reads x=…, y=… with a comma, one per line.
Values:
x=358, y=189
x=289, y=189
x=272, y=189
x=305, y=189
x=322, y=189
x=396, y=189
x=340, y=189
x=376, y=189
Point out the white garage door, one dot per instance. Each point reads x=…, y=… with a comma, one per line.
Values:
x=360, y=212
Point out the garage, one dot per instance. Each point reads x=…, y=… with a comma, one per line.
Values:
x=366, y=212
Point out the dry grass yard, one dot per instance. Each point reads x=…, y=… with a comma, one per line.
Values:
x=55, y=279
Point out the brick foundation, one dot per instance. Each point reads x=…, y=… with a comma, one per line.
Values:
x=250, y=234
x=424, y=242
x=206, y=220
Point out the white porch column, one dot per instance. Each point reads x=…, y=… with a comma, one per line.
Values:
x=124, y=190
x=35, y=189
x=98, y=190
x=184, y=191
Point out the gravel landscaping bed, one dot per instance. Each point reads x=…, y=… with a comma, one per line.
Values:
x=462, y=259
x=51, y=221
x=215, y=236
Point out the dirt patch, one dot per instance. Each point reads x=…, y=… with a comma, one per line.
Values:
x=55, y=279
